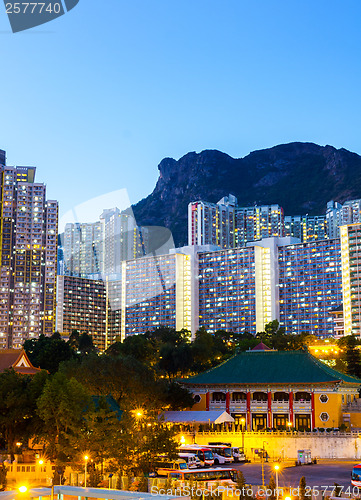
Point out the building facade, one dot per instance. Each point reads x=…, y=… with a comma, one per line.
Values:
x=85, y=305
x=228, y=226
x=28, y=253
x=351, y=277
x=310, y=286
x=238, y=290
x=269, y=389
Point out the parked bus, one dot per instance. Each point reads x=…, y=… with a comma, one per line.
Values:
x=222, y=476
x=238, y=455
x=222, y=454
x=204, y=453
x=192, y=460
x=356, y=475
x=162, y=467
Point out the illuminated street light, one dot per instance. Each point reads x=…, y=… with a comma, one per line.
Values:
x=182, y=440
x=276, y=468
x=86, y=458
x=23, y=489
x=243, y=421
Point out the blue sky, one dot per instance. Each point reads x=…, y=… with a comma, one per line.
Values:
x=96, y=98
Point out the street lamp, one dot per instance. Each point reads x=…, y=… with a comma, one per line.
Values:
x=289, y=425
x=243, y=421
x=40, y=463
x=86, y=458
x=276, y=469
x=262, y=463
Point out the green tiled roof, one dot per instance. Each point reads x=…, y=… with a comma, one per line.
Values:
x=271, y=367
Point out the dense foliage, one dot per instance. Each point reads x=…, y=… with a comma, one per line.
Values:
x=107, y=404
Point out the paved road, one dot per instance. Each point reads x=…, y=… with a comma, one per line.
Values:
x=325, y=473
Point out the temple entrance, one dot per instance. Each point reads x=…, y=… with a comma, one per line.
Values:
x=303, y=422
x=259, y=421
x=280, y=421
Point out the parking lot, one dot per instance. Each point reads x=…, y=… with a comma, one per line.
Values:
x=324, y=473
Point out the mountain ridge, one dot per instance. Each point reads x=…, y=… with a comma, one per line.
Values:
x=300, y=176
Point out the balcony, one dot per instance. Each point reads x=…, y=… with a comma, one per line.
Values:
x=238, y=405
x=280, y=405
x=259, y=405
x=301, y=405
x=217, y=404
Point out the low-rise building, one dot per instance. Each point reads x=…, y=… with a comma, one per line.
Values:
x=277, y=389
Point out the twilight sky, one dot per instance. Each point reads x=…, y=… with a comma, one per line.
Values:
x=96, y=98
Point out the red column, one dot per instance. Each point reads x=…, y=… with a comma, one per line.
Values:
x=228, y=397
x=249, y=424
x=290, y=402
x=207, y=401
x=313, y=415
x=269, y=396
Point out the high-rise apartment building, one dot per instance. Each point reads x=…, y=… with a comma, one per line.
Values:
x=238, y=290
x=228, y=226
x=212, y=223
x=98, y=248
x=28, y=252
x=351, y=277
x=310, y=286
x=85, y=305
x=122, y=239
x=83, y=249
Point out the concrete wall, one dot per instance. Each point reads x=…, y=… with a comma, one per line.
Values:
x=285, y=445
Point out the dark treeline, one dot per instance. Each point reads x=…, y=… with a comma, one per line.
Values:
x=108, y=404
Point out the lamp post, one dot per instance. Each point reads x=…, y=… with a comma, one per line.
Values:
x=276, y=468
x=262, y=463
x=86, y=458
x=243, y=421
x=40, y=463
x=289, y=425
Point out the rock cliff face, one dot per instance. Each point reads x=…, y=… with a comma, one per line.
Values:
x=301, y=177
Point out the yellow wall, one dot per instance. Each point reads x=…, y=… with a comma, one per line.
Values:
x=201, y=406
x=332, y=408
x=355, y=419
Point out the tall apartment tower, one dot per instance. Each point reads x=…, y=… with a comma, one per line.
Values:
x=351, y=277
x=122, y=239
x=212, y=223
x=83, y=249
x=28, y=257
x=258, y=222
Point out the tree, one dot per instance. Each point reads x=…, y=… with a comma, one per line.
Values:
x=3, y=479
x=352, y=357
x=18, y=395
x=62, y=407
x=138, y=442
x=241, y=485
x=272, y=487
x=302, y=489
x=48, y=352
x=137, y=346
x=177, y=397
x=86, y=345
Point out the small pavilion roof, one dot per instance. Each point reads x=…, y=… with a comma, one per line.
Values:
x=18, y=360
x=199, y=417
x=261, y=347
x=271, y=367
